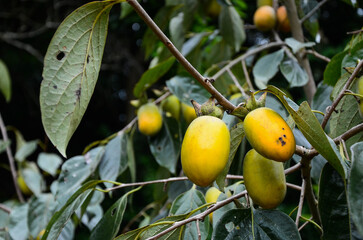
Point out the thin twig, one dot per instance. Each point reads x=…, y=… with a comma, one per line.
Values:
x=246, y=55
x=5, y=208
x=292, y=169
x=235, y=80
x=304, y=224
x=247, y=76
x=355, y=32
x=316, y=8
x=301, y=202
x=199, y=216
x=293, y=186
x=11, y=160
x=318, y=55
x=205, y=82
x=24, y=46
x=341, y=94
x=198, y=230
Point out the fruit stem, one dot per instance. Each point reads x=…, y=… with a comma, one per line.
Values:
x=11, y=160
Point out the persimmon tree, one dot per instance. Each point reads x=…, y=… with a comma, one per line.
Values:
x=198, y=55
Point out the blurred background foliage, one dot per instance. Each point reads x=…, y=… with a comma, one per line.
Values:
x=27, y=26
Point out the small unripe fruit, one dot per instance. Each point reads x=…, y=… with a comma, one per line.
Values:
x=269, y=134
x=264, y=18
x=150, y=120
x=205, y=150
x=211, y=196
x=283, y=23
x=171, y=105
x=264, y=180
x=188, y=113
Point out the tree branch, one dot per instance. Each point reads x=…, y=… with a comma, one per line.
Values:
x=318, y=55
x=5, y=208
x=316, y=8
x=341, y=94
x=11, y=160
x=205, y=82
x=301, y=202
x=297, y=33
x=24, y=46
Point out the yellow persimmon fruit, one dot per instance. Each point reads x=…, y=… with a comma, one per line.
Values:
x=205, y=150
x=171, y=105
x=283, y=23
x=264, y=180
x=264, y=18
x=211, y=196
x=23, y=187
x=188, y=113
x=150, y=120
x=269, y=134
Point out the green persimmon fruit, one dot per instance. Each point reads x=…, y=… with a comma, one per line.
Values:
x=171, y=105
x=264, y=180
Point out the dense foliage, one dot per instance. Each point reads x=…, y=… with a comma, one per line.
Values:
x=204, y=58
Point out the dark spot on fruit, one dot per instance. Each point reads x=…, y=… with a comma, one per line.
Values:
x=284, y=136
x=60, y=56
x=281, y=141
x=283, y=128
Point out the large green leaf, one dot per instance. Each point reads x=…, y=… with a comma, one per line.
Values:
x=312, y=130
x=185, y=203
x=231, y=27
x=186, y=89
x=346, y=114
x=108, y=226
x=333, y=205
x=266, y=67
x=41, y=209
x=115, y=159
x=237, y=134
x=355, y=190
x=5, y=81
x=152, y=75
x=265, y=224
x=71, y=68
x=332, y=71
x=61, y=217
x=165, y=146
x=353, y=56
x=294, y=74
x=75, y=171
